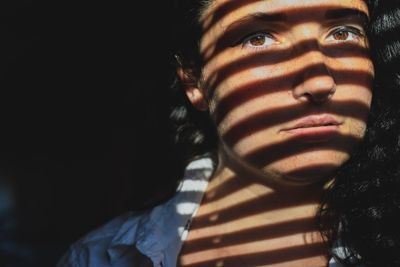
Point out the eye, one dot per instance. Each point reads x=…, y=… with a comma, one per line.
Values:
x=258, y=40
x=345, y=34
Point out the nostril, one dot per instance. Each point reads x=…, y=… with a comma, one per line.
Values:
x=321, y=96
x=319, y=88
x=315, y=84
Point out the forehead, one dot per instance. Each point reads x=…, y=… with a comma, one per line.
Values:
x=224, y=9
x=221, y=13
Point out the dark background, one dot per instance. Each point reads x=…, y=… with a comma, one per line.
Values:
x=82, y=116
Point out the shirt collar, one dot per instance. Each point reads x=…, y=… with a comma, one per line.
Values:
x=155, y=230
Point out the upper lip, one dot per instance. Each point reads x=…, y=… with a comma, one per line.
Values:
x=313, y=121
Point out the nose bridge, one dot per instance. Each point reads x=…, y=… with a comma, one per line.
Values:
x=317, y=83
x=316, y=61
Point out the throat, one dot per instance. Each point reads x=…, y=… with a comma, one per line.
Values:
x=257, y=243
x=263, y=231
x=240, y=223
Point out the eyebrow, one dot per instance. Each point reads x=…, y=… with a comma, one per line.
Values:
x=332, y=14
x=258, y=16
x=341, y=13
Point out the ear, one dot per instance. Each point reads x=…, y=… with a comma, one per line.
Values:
x=194, y=93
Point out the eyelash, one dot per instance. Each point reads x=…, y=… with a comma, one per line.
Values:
x=348, y=29
x=245, y=40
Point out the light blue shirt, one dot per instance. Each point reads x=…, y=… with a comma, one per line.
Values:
x=157, y=234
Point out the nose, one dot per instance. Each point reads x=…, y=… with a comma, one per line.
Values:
x=316, y=83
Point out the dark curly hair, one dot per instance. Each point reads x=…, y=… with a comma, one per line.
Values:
x=362, y=206
x=191, y=133
x=194, y=133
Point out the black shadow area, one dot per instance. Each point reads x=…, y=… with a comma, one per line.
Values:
x=78, y=89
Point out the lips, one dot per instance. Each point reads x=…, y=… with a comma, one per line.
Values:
x=316, y=128
x=314, y=121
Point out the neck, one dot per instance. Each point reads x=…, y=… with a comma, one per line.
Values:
x=241, y=217
x=228, y=192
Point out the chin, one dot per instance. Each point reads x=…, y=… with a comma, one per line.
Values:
x=316, y=167
x=311, y=176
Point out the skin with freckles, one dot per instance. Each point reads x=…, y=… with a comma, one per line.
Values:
x=288, y=84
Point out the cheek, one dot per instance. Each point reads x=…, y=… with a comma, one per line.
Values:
x=226, y=79
x=239, y=93
x=355, y=74
x=248, y=117
x=353, y=77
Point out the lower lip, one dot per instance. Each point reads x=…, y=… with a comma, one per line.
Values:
x=314, y=134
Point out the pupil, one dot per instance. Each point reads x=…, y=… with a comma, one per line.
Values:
x=342, y=35
x=257, y=40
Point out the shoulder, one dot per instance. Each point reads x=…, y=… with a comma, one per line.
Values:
x=144, y=232
x=107, y=244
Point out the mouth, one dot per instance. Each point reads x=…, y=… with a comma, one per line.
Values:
x=314, y=128
x=313, y=122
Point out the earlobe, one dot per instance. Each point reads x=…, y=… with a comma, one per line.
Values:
x=196, y=97
x=195, y=94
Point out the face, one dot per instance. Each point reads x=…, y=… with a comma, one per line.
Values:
x=288, y=84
